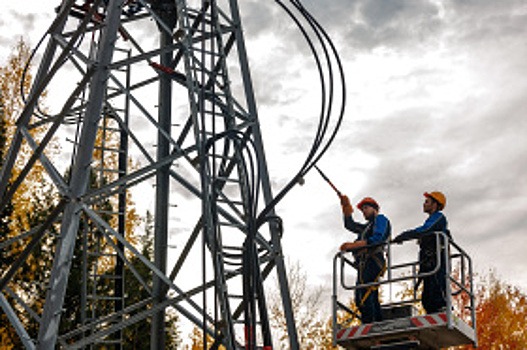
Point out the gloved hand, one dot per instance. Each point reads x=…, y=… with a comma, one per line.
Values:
x=348, y=246
x=406, y=235
x=344, y=200
x=347, y=209
x=398, y=240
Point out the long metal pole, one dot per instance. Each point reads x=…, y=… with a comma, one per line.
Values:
x=266, y=182
x=49, y=325
x=119, y=283
x=162, y=194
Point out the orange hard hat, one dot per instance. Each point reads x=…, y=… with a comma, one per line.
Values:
x=368, y=201
x=438, y=197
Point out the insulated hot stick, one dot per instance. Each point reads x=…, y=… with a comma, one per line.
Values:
x=328, y=181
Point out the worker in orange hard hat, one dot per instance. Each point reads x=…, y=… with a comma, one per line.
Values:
x=434, y=286
x=368, y=250
x=438, y=198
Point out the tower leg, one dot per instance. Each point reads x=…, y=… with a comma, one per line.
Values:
x=49, y=325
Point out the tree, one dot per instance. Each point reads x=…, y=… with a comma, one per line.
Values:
x=501, y=315
x=501, y=312
x=13, y=76
x=197, y=340
x=5, y=333
x=134, y=336
x=28, y=207
x=313, y=330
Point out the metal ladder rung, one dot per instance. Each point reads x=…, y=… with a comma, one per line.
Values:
x=233, y=272
x=228, y=201
x=233, y=247
x=188, y=10
x=207, y=92
x=195, y=14
x=206, y=52
x=235, y=296
x=198, y=66
x=233, y=264
x=110, y=129
x=201, y=35
x=216, y=113
x=105, y=276
x=241, y=321
x=108, y=170
x=221, y=156
x=116, y=150
x=112, y=255
x=236, y=256
x=227, y=179
x=230, y=224
x=108, y=342
x=211, y=114
x=109, y=212
x=219, y=93
x=103, y=298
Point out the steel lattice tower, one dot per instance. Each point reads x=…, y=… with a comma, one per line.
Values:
x=166, y=84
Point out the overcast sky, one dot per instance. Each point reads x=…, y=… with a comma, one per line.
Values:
x=437, y=97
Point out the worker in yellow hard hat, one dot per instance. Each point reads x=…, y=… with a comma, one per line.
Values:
x=368, y=250
x=434, y=286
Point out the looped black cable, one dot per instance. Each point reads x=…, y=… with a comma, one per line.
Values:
x=330, y=58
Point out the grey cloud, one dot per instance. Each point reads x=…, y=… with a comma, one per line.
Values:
x=472, y=157
x=480, y=23
x=27, y=20
x=394, y=24
x=402, y=24
x=264, y=18
x=380, y=13
x=258, y=17
x=482, y=185
x=5, y=40
x=478, y=8
x=271, y=79
x=332, y=12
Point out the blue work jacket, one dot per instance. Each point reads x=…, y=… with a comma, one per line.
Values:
x=436, y=222
x=376, y=231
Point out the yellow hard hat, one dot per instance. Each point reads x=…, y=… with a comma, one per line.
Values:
x=438, y=197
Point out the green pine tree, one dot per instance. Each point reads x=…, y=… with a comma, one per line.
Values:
x=134, y=337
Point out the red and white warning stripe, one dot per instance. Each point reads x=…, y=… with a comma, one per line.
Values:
x=352, y=332
x=370, y=329
x=429, y=320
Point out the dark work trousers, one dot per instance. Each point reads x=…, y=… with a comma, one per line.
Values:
x=368, y=302
x=434, y=288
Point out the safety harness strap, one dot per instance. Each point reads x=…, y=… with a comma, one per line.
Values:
x=372, y=288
